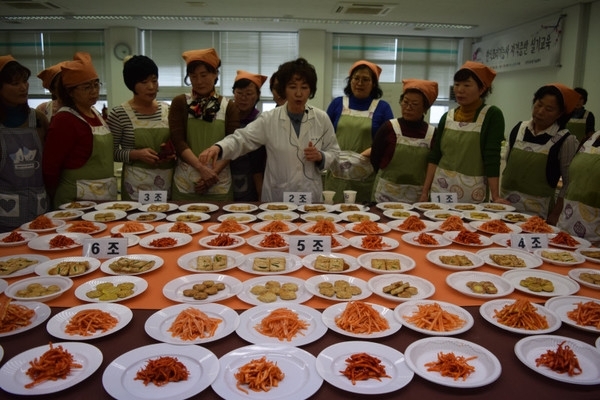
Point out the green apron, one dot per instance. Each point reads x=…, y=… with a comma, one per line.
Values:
x=581, y=211
x=402, y=180
x=95, y=180
x=201, y=135
x=355, y=172
x=577, y=126
x=138, y=175
x=524, y=181
x=460, y=169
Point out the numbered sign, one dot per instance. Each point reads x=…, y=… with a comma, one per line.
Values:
x=304, y=245
x=445, y=198
x=105, y=247
x=298, y=198
x=152, y=196
x=528, y=241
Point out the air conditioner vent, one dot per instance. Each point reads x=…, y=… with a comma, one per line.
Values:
x=363, y=9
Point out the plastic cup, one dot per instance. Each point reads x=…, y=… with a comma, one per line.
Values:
x=349, y=196
x=328, y=196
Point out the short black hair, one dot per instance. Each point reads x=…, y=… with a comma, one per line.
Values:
x=583, y=93
x=137, y=69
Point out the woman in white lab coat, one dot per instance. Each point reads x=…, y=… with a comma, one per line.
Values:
x=300, y=139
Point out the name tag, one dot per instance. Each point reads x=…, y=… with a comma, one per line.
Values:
x=298, y=198
x=444, y=198
x=152, y=196
x=528, y=241
x=105, y=247
x=304, y=245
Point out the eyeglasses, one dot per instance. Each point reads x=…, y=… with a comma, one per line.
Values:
x=90, y=87
x=358, y=79
x=244, y=95
x=407, y=104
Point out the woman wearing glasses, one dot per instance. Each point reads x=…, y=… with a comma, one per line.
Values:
x=78, y=161
x=356, y=117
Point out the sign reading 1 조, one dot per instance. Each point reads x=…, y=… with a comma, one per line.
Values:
x=304, y=245
x=152, y=196
x=105, y=247
x=298, y=198
x=444, y=198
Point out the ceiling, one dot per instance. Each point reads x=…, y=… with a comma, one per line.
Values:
x=413, y=18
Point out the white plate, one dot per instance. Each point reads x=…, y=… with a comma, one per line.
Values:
x=132, y=240
x=487, y=311
x=280, y=205
x=255, y=240
x=314, y=216
x=181, y=238
x=215, y=229
x=425, y=206
x=259, y=227
x=28, y=270
x=348, y=216
x=188, y=260
x=140, y=285
x=43, y=268
x=501, y=239
x=425, y=288
x=582, y=242
x=158, y=262
x=240, y=208
x=530, y=260
x=429, y=225
x=400, y=214
x=57, y=324
x=531, y=348
x=388, y=243
x=406, y=263
x=209, y=207
x=27, y=236
x=383, y=228
x=119, y=380
x=343, y=243
x=72, y=214
x=394, y=205
x=331, y=312
x=575, y=272
x=164, y=228
x=579, y=259
x=57, y=223
x=100, y=227
x=242, y=218
x=312, y=285
x=324, y=208
x=301, y=378
x=239, y=241
x=13, y=378
x=434, y=257
x=497, y=207
x=132, y=205
x=302, y=294
x=188, y=217
x=458, y=281
x=513, y=228
x=360, y=207
x=406, y=309
x=332, y=360
x=292, y=262
x=91, y=216
x=554, y=229
x=480, y=215
x=158, y=324
x=485, y=241
x=563, y=285
x=42, y=312
x=411, y=238
x=171, y=207
x=173, y=290
x=305, y=228
x=147, y=228
x=253, y=317
x=461, y=207
x=562, y=305
x=3, y=285
x=157, y=216
x=441, y=215
x=513, y=217
x=277, y=216
x=309, y=262
x=83, y=205
x=423, y=351
x=64, y=284
x=588, y=258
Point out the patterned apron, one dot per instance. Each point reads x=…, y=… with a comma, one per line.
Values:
x=402, y=180
x=353, y=171
x=138, y=175
x=529, y=192
x=201, y=135
x=95, y=180
x=462, y=171
x=22, y=193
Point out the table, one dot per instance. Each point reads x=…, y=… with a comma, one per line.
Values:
x=516, y=381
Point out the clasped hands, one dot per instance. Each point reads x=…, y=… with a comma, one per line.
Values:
x=208, y=176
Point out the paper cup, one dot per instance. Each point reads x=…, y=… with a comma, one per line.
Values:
x=328, y=196
x=349, y=196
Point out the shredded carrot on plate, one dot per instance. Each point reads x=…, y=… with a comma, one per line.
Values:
x=53, y=365
x=361, y=317
x=283, y=324
x=163, y=370
x=412, y=224
x=90, y=321
x=586, y=314
x=259, y=375
x=521, y=314
x=563, y=360
x=451, y=365
x=434, y=318
x=191, y=324
x=363, y=366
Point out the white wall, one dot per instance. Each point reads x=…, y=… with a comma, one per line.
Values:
x=591, y=77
